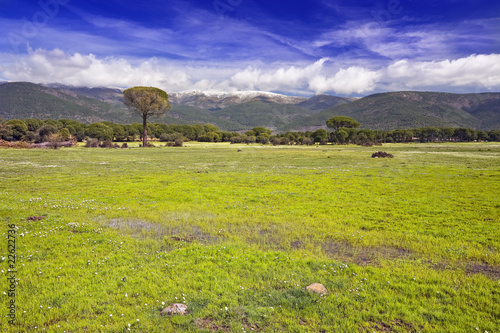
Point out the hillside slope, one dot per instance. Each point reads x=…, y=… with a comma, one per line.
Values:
x=28, y=100
x=259, y=113
x=244, y=110
x=387, y=111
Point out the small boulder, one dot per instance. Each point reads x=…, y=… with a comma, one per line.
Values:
x=317, y=288
x=176, y=308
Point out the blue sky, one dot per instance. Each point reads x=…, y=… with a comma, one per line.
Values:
x=345, y=48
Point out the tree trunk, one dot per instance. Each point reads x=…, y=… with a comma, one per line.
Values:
x=144, y=131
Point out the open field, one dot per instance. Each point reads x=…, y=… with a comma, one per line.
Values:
x=405, y=244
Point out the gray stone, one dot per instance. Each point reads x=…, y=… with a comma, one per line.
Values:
x=317, y=288
x=176, y=308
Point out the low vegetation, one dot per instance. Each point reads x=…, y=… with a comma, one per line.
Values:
x=345, y=131
x=106, y=239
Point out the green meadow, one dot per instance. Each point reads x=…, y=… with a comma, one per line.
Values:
x=236, y=232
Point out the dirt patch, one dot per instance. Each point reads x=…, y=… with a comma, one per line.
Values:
x=493, y=272
x=35, y=218
x=297, y=245
x=209, y=324
x=145, y=229
x=396, y=325
x=363, y=256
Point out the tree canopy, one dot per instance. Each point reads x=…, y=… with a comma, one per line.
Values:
x=342, y=121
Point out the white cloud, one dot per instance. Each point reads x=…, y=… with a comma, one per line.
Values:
x=472, y=73
x=346, y=81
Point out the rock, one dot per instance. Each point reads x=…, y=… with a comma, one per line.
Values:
x=317, y=288
x=176, y=308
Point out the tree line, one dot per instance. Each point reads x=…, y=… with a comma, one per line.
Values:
x=36, y=131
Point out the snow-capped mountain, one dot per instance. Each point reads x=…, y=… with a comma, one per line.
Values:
x=214, y=101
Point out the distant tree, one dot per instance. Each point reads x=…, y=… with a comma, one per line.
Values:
x=262, y=131
x=320, y=135
x=446, y=133
x=211, y=128
x=57, y=124
x=64, y=134
x=482, y=135
x=118, y=130
x=19, y=128
x=341, y=135
x=45, y=131
x=342, y=121
x=99, y=131
x=5, y=131
x=147, y=102
x=210, y=137
x=33, y=124
x=464, y=134
x=494, y=135
x=198, y=130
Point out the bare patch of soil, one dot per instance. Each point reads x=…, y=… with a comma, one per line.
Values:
x=363, y=256
x=395, y=325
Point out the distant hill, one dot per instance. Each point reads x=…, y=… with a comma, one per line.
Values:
x=262, y=113
x=322, y=102
x=244, y=110
x=28, y=100
x=393, y=110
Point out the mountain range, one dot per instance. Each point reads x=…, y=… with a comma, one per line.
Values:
x=244, y=110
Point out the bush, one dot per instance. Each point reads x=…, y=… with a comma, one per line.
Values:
x=169, y=144
x=178, y=142
x=124, y=145
x=106, y=144
x=262, y=139
x=166, y=137
x=308, y=141
x=382, y=154
x=92, y=143
x=21, y=144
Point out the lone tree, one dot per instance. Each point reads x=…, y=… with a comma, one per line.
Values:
x=342, y=121
x=147, y=102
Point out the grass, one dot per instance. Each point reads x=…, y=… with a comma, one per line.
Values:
x=404, y=244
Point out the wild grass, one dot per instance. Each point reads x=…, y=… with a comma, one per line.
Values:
x=403, y=244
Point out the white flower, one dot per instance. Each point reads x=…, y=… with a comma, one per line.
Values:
x=225, y=308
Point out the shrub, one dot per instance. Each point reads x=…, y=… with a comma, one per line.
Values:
x=55, y=141
x=92, y=143
x=308, y=141
x=124, y=145
x=169, y=144
x=21, y=144
x=106, y=144
x=178, y=142
x=382, y=154
x=262, y=139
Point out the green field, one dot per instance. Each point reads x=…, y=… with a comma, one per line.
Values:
x=405, y=244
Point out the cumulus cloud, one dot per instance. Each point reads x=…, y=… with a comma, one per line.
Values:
x=472, y=73
x=346, y=81
x=476, y=70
